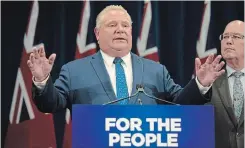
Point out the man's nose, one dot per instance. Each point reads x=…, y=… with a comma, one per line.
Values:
x=120, y=29
x=229, y=41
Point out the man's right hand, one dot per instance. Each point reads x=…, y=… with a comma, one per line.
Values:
x=39, y=65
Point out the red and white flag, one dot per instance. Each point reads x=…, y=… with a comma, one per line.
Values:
x=28, y=128
x=85, y=47
x=204, y=48
x=146, y=42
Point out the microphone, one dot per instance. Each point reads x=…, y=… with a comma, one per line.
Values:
x=140, y=88
x=121, y=99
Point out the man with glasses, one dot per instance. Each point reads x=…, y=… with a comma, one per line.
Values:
x=228, y=90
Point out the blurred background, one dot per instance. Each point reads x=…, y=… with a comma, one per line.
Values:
x=176, y=33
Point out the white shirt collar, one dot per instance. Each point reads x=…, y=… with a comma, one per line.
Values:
x=109, y=59
x=230, y=70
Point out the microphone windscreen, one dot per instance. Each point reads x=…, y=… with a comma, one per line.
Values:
x=138, y=86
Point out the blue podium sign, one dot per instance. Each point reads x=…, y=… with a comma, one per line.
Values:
x=97, y=126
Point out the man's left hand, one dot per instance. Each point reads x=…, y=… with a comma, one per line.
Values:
x=208, y=72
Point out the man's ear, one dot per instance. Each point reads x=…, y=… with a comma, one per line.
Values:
x=96, y=32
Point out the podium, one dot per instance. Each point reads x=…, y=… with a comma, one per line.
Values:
x=187, y=126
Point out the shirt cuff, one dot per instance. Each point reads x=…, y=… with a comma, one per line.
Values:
x=202, y=89
x=40, y=85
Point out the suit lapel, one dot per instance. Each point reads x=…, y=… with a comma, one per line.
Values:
x=137, y=66
x=100, y=69
x=223, y=87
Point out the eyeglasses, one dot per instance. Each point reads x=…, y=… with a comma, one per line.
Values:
x=234, y=36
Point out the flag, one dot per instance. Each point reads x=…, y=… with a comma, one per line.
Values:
x=146, y=42
x=85, y=47
x=28, y=128
x=205, y=44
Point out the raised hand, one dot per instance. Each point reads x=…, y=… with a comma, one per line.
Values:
x=208, y=72
x=39, y=65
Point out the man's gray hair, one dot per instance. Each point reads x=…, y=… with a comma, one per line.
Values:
x=109, y=8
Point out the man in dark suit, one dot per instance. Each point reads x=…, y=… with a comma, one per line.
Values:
x=114, y=72
x=228, y=89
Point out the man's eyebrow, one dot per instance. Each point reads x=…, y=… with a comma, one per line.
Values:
x=126, y=22
x=238, y=34
x=110, y=21
x=235, y=33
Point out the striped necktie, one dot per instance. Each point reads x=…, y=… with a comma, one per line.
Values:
x=238, y=94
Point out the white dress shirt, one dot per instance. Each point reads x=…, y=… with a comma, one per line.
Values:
x=231, y=80
x=127, y=66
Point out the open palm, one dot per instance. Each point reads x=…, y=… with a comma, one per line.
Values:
x=39, y=65
x=208, y=72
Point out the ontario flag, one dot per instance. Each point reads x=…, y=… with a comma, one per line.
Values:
x=205, y=44
x=85, y=46
x=147, y=40
x=28, y=128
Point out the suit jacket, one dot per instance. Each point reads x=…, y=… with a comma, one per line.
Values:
x=229, y=133
x=86, y=81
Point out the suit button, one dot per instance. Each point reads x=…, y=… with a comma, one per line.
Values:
x=237, y=134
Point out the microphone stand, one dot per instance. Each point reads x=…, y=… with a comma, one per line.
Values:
x=121, y=99
x=141, y=89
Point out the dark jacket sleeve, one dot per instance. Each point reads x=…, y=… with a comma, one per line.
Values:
x=55, y=96
x=189, y=95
